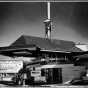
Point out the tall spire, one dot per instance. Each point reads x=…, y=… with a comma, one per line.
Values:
x=48, y=23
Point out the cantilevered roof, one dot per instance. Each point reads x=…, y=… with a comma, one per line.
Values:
x=46, y=44
x=22, y=50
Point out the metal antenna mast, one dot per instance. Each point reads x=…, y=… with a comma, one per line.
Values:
x=48, y=9
x=48, y=23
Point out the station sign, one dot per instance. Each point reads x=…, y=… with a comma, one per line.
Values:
x=35, y=73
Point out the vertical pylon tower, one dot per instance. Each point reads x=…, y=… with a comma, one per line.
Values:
x=48, y=23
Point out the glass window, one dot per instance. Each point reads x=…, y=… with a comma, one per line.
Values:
x=42, y=72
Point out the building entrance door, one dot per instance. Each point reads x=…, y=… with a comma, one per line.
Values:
x=54, y=75
x=57, y=75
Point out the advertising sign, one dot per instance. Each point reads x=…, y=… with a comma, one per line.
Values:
x=10, y=66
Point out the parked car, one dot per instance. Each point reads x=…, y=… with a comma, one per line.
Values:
x=83, y=81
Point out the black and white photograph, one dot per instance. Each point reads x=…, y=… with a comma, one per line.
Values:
x=44, y=44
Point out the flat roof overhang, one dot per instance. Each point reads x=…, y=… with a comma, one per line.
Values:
x=18, y=50
x=30, y=50
x=65, y=52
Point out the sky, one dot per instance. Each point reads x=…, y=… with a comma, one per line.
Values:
x=70, y=21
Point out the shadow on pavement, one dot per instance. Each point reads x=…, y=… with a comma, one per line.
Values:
x=6, y=83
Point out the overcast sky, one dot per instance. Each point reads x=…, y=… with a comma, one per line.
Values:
x=70, y=20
